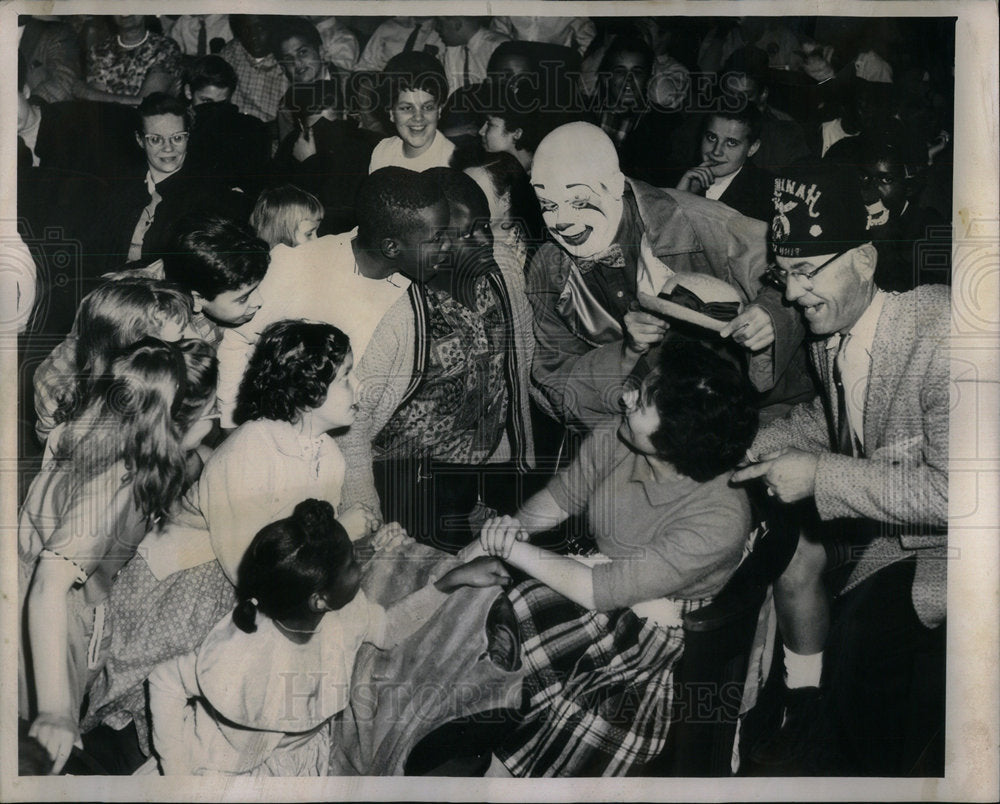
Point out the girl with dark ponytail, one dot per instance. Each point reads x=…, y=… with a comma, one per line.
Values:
x=268, y=679
x=110, y=474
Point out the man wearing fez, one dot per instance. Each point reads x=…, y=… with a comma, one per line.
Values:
x=871, y=453
x=614, y=244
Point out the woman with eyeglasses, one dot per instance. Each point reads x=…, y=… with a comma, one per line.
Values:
x=141, y=210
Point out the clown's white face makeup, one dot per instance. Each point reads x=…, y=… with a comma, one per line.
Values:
x=582, y=214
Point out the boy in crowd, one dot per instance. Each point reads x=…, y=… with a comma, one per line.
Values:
x=224, y=142
x=349, y=280
x=728, y=141
x=262, y=82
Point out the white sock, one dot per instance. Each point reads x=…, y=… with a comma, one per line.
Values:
x=802, y=670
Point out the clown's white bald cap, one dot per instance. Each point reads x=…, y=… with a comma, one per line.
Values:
x=580, y=147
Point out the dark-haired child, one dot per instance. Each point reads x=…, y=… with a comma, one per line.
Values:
x=225, y=143
x=267, y=680
x=220, y=263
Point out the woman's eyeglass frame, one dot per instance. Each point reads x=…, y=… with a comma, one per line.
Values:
x=177, y=139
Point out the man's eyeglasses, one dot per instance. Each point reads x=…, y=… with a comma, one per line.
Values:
x=778, y=277
x=177, y=139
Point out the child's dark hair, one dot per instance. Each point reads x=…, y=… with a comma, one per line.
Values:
x=290, y=371
x=212, y=254
x=284, y=28
x=459, y=187
x=707, y=414
x=288, y=561
x=210, y=71
x=389, y=202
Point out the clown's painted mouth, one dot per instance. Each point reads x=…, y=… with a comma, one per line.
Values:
x=580, y=239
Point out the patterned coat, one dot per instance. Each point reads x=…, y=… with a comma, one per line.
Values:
x=902, y=482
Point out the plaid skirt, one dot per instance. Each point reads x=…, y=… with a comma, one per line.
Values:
x=599, y=690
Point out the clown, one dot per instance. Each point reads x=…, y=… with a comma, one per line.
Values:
x=615, y=244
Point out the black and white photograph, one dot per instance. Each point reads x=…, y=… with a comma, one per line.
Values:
x=455, y=405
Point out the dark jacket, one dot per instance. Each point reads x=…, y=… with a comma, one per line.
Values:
x=750, y=193
x=182, y=192
x=333, y=174
x=229, y=146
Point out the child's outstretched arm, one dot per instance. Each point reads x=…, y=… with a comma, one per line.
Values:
x=407, y=615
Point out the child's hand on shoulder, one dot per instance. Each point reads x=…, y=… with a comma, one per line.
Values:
x=480, y=572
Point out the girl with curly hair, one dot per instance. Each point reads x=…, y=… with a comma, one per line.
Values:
x=296, y=389
x=111, y=473
x=603, y=633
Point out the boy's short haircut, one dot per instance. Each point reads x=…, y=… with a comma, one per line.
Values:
x=458, y=187
x=210, y=71
x=278, y=210
x=749, y=115
x=287, y=27
x=389, y=201
x=158, y=103
x=212, y=254
x=411, y=71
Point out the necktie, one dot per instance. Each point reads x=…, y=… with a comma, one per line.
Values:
x=202, y=37
x=845, y=438
x=411, y=40
x=465, y=69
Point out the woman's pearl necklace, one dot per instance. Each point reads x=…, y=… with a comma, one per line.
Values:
x=142, y=41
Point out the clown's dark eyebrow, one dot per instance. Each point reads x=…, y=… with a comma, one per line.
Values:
x=581, y=184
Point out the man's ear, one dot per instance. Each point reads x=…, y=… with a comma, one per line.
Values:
x=753, y=149
x=616, y=184
x=198, y=301
x=865, y=260
x=187, y=91
x=389, y=248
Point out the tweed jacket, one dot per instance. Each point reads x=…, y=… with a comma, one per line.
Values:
x=690, y=234
x=902, y=482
